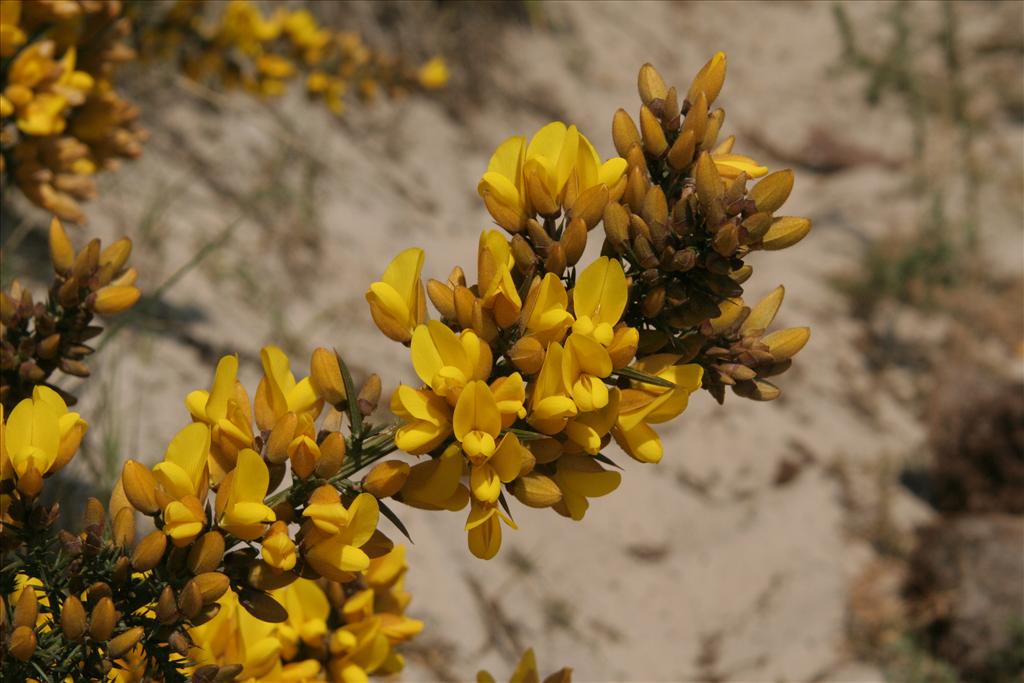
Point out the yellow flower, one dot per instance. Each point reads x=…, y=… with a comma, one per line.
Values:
x=225, y=409
x=484, y=529
x=434, y=74
x=645, y=404
x=599, y=299
x=11, y=34
x=233, y=636
x=548, y=319
x=184, y=520
x=497, y=288
x=730, y=165
x=398, y=302
x=526, y=672
x=551, y=404
x=435, y=484
x=446, y=362
x=477, y=424
x=308, y=611
x=334, y=535
x=357, y=650
x=240, y=508
x=278, y=547
x=427, y=419
x=279, y=393
x=580, y=477
x=184, y=470
x=587, y=431
x=38, y=438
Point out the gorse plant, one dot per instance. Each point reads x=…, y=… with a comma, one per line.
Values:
x=265, y=559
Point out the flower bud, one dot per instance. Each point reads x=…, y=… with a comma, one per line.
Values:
x=709, y=79
x=26, y=610
x=281, y=437
x=523, y=254
x=87, y=261
x=303, y=452
x=102, y=619
x=716, y=120
x=650, y=84
x=636, y=189
x=655, y=143
x=555, y=261
x=616, y=225
x=166, y=607
x=681, y=153
x=206, y=553
x=537, y=191
x=762, y=315
x=464, y=302
x=116, y=254
x=123, y=528
x=624, y=132
x=149, y=551
x=574, y=240
x=62, y=254
x=696, y=120
x=120, y=645
x=785, y=232
x=757, y=390
x=140, y=487
x=527, y=354
x=623, y=346
x=332, y=455
x=443, y=298
x=536, y=490
x=786, y=343
x=114, y=299
x=22, y=644
x=73, y=619
x=369, y=394
x=325, y=376
x=386, y=478
x=772, y=191
x=192, y=597
x=589, y=206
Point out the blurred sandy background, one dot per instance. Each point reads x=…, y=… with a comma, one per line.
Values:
x=791, y=541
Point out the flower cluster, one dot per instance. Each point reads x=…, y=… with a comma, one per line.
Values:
x=38, y=338
x=61, y=118
x=240, y=46
x=526, y=672
x=530, y=373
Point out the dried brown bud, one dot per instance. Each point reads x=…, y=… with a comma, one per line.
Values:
x=149, y=551
x=369, y=395
x=192, y=597
x=206, y=553
x=655, y=143
x=772, y=191
x=624, y=132
x=332, y=455
x=785, y=232
x=681, y=153
x=22, y=643
x=26, y=609
x=650, y=84
x=166, y=606
x=121, y=644
x=536, y=490
x=102, y=619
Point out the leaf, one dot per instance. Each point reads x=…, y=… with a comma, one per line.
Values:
x=504, y=504
x=601, y=457
x=390, y=514
x=526, y=434
x=355, y=416
x=639, y=376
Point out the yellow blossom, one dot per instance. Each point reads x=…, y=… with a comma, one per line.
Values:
x=11, y=34
x=446, y=362
x=645, y=404
x=278, y=547
x=548, y=318
x=234, y=636
x=240, y=507
x=279, y=393
x=398, y=301
x=427, y=419
x=226, y=410
x=484, y=529
x=335, y=534
x=435, y=484
x=434, y=74
x=477, y=425
x=580, y=477
x=551, y=404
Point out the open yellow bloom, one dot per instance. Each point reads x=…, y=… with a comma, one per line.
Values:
x=278, y=548
x=335, y=534
x=308, y=611
x=435, y=484
x=279, y=392
x=427, y=419
x=398, y=301
x=599, y=299
x=645, y=404
x=240, y=508
x=358, y=650
x=551, y=404
x=587, y=431
x=494, y=274
x=434, y=74
x=234, y=636
x=183, y=481
x=549, y=318
x=446, y=362
x=226, y=410
x=38, y=438
x=581, y=477
x=484, y=529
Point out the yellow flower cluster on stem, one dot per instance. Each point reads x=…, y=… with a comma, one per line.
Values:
x=237, y=44
x=62, y=120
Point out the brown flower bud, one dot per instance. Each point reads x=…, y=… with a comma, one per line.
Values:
x=653, y=302
x=206, y=553
x=709, y=79
x=166, y=606
x=332, y=455
x=386, y=478
x=536, y=490
x=369, y=394
x=623, y=346
x=616, y=225
x=624, y=132
x=786, y=343
x=785, y=232
x=149, y=551
x=123, y=527
x=325, y=376
x=650, y=84
x=696, y=120
x=655, y=143
x=140, y=487
x=636, y=189
x=443, y=297
x=121, y=644
x=95, y=515
x=116, y=254
x=102, y=619
x=574, y=240
x=681, y=153
x=211, y=586
x=762, y=315
x=74, y=367
x=192, y=597
x=31, y=482
x=62, y=254
x=114, y=299
x=72, y=618
x=757, y=390
x=523, y=254
x=87, y=261
x=538, y=192
x=26, y=610
x=281, y=437
x=527, y=354
x=589, y=206
x=555, y=261
x=716, y=120
x=22, y=644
